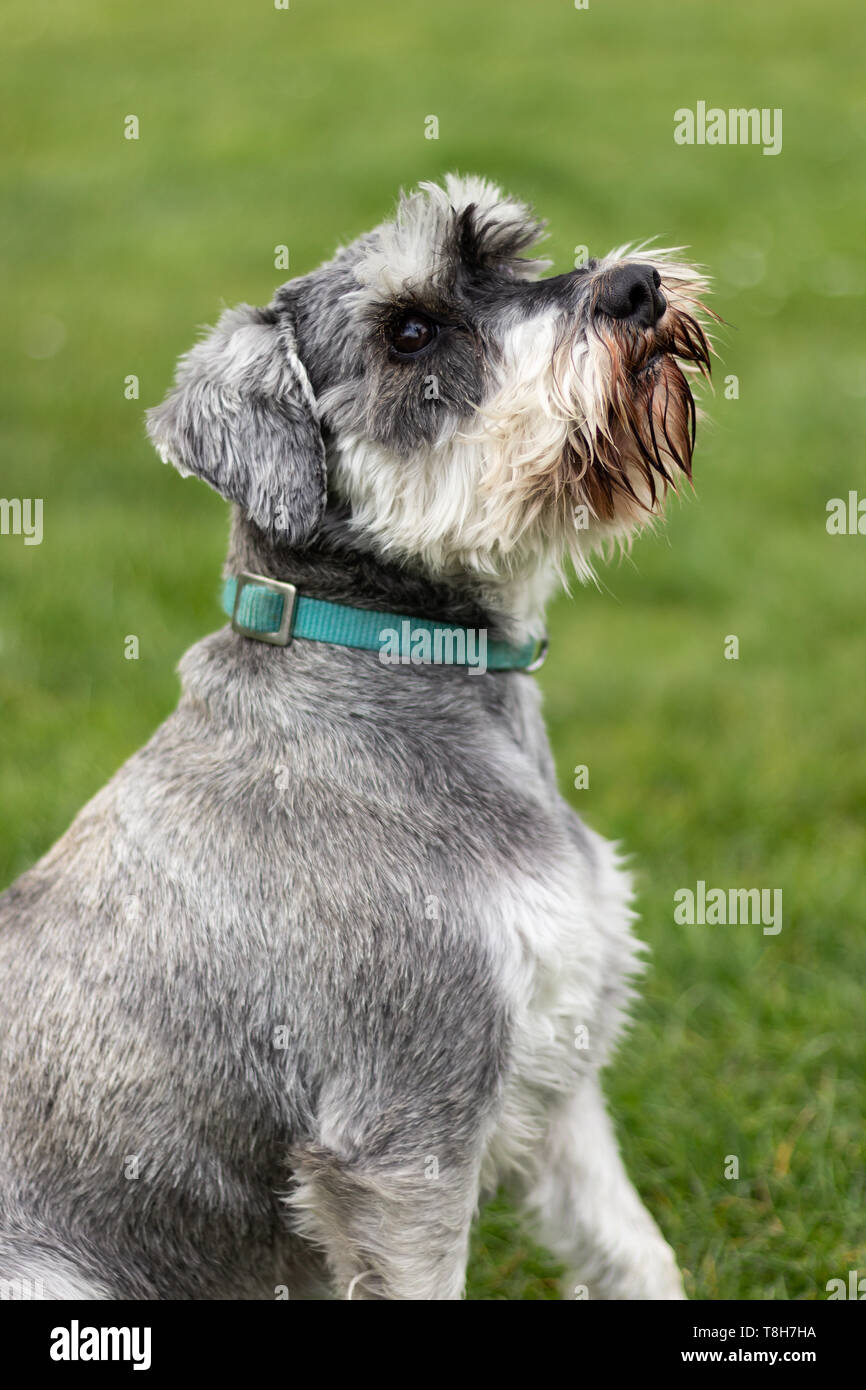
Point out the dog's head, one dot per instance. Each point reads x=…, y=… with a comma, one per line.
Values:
x=467, y=415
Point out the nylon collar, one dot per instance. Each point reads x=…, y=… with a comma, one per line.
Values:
x=268, y=610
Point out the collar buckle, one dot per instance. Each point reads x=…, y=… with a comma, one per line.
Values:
x=282, y=636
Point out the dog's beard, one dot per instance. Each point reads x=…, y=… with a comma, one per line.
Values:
x=576, y=448
x=586, y=434
x=624, y=465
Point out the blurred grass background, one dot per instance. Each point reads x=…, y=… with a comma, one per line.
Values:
x=260, y=127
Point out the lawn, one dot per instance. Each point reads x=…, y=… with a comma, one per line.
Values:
x=261, y=127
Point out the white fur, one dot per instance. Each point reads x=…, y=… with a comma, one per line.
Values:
x=567, y=953
x=590, y=1215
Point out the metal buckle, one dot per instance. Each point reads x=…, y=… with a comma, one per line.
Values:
x=283, y=636
x=540, y=654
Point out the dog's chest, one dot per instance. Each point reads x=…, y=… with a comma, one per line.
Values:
x=420, y=879
x=565, y=953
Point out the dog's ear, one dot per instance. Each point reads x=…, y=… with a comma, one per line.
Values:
x=242, y=416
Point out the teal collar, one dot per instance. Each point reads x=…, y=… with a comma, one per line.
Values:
x=270, y=611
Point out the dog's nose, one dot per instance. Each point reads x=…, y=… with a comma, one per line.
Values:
x=632, y=292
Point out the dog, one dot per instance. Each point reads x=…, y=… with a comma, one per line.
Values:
x=330, y=958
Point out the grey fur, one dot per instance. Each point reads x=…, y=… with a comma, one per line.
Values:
x=243, y=418
x=284, y=1000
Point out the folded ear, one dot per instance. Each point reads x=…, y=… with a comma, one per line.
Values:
x=242, y=416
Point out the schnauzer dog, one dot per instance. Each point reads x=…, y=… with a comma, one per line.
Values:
x=330, y=957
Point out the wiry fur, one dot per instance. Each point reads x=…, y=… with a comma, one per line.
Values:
x=559, y=408
x=415, y=252
x=242, y=416
x=305, y=980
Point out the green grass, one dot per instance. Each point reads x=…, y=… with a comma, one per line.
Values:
x=261, y=127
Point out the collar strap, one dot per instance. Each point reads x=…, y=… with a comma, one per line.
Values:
x=268, y=610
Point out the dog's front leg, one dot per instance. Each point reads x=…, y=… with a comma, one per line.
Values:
x=588, y=1212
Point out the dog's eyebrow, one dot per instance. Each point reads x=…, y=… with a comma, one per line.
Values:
x=428, y=299
x=482, y=238
x=445, y=313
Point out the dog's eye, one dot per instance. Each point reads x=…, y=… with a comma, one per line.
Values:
x=412, y=332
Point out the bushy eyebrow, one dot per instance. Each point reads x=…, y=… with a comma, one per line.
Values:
x=429, y=300
x=483, y=240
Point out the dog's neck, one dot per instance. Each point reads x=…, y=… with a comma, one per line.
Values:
x=332, y=567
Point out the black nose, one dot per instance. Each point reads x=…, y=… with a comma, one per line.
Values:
x=632, y=292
